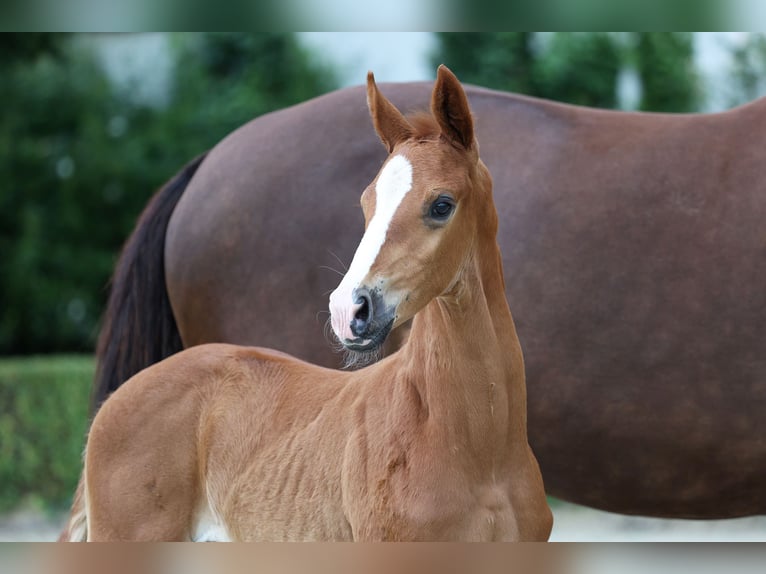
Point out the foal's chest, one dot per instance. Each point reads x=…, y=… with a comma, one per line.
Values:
x=492, y=517
x=445, y=506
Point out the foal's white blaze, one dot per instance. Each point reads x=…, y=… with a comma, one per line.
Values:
x=394, y=181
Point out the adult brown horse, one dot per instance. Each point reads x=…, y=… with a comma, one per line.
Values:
x=634, y=247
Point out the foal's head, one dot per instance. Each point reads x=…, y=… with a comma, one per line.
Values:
x=423, y=213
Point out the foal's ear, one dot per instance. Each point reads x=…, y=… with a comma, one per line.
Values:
x=449, y=106
x=391, y=125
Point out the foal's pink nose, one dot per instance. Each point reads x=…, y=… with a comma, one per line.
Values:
x=343, y=314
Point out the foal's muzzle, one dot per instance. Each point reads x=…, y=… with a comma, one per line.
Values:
x=361, y=322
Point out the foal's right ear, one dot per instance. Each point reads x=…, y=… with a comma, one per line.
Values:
x=449, y=106
x=391, y=125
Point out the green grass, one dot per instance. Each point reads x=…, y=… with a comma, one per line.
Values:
x=43, y=420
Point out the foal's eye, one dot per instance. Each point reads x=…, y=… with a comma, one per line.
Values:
x=441, y=208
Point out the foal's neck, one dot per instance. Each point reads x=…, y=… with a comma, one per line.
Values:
x=465, y=358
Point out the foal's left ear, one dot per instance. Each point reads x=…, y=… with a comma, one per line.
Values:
x=449, y=106
x=390, y=123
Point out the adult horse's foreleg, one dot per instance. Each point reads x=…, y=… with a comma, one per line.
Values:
x=138, y=326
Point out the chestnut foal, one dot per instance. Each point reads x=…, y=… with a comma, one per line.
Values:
x=221, y=442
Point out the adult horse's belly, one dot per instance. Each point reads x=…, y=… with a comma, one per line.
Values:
x=635, y=256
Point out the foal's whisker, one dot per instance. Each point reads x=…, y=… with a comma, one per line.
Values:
x=356, y=360
x=345, y=267
x=351, y=359
x=332, y=269
x=331, y=338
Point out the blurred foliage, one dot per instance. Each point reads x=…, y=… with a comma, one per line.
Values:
x=79, y=159
x=27, y=46
x=580, y=68
x=665, y=63
x=499, y=60
x=748, y=75
x=42, y=428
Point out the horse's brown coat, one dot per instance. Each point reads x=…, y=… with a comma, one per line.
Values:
x=428, y=444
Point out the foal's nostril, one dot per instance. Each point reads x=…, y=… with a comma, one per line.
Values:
x=363, y=315
x=364, y=311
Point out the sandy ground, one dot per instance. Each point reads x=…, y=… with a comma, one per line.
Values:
x=571, y=523
x=574, y=523
x=30, y=526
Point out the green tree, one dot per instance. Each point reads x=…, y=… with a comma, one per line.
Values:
x=16, y=48
x=580, y=68
x=79, y=160
x=665, y=64
x=51, y=144
x=498, y=60
x=747, y=77
x=225, y=79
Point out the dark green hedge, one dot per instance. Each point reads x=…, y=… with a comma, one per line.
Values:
x=43, y=420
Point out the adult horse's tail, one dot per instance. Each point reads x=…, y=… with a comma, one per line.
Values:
x=138, y=326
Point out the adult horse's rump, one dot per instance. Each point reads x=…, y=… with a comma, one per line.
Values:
x=634, y=251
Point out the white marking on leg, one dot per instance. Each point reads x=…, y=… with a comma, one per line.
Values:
x=78, y=526
x=394, y=181
x=208, y=528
